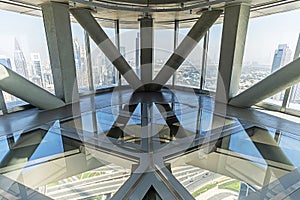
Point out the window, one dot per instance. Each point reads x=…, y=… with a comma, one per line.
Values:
x=80, y=57
x=104, y=73
x=294, y=97
x=163, y=46
x=270, y=44
x=213, y=56
x=130, y=47
x=189, y=73
x=24, y=50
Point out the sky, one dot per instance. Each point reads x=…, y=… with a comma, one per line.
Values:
x=266, y=33
x=263, y=37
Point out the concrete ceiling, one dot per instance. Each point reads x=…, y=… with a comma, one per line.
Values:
x=164, y=12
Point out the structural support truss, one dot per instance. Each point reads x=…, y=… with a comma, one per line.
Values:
x=13, y=83
x=87, y=21
x=200, y=28
x=280, y=80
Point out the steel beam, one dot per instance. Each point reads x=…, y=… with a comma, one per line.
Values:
x=146, y=31
x=206, y=20
x=13, y=83
x=282, y=79
x=60, y=45
x=232, y=50
x=88, y=22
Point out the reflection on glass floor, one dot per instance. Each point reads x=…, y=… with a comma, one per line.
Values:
x=56, y=167
x=143, y=150
x=247, y=162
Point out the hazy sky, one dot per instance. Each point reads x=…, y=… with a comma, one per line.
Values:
x=264, y=35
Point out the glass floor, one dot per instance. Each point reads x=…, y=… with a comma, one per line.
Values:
x=150, y=151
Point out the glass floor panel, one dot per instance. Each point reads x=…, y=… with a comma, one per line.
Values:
x=242, y=165
x=148, y=149
x=131, y=123
x=204, y=184
x=45, y=164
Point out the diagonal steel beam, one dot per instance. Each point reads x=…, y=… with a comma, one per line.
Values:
x=88, y=22
x=200, y=28
x=280, y=80
x=13, y=83
x=171, y=118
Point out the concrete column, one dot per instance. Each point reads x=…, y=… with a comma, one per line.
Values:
x=232, y=50
x=87, y=21
x=206, y=20
x=146, y=31
x=17, y=85
x=288, y=75
x=60, y=45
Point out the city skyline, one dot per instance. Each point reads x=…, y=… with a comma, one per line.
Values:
x=19, y=51
x=32, y=36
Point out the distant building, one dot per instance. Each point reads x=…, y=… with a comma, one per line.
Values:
x=5, y=61
x=282, y=57
x=19, y=59
x=123, y=51
x=37, y=76
x=48, y=78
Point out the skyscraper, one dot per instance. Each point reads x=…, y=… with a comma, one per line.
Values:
x=20, y=61
x=4, y=60
x=36, y=68
x=282, y=56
